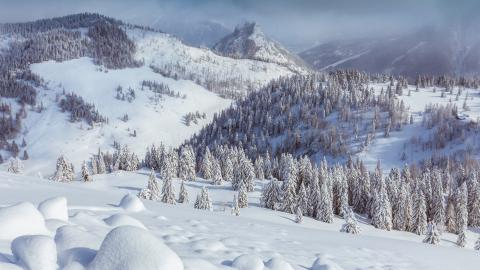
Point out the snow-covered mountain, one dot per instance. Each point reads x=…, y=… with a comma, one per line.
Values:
x=195, y=33
x=453, y=50
x=249, y=42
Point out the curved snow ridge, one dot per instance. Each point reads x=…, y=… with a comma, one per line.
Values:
x=21, y=219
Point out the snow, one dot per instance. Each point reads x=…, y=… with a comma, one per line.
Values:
x=324, y=263
x=248, y=262
x=214, y=239
x=117, y=220
x=54, y=208
x=278, y=263
x=20, y=219
x=35, y=252
x=131, y=203
x=139, y=250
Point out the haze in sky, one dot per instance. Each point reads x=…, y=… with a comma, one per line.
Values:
x=289, y=21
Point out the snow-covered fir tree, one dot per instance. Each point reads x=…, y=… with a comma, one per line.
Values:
x=206, y=165
x=168, y=192
x=64, y=171
x=325, y=206
x=433, y=235
x=203, y=200
x=217, y=172
x=183, y=194
x=85, y=173
x=381, y=208
x=15, y=165
x=235, y=208
x=186, y=163
x=152, y=191
x=259, y=168
x=242, y=196
x=461, y=213
x=271, y=194
x=350, y=225
x=302, y=198
x=462, y=239
x=419, y=223
x=298, y=215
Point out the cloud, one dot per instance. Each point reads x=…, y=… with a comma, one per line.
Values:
x=289, y=21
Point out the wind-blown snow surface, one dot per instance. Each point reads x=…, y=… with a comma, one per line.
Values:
x=217, y=240
x=50, y=133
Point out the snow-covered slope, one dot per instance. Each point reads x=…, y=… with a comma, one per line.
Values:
x=224, y=75
x=212, y=240
x=50, y=133
x=248, y=41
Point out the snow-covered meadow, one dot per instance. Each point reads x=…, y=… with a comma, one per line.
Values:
x=173, y=235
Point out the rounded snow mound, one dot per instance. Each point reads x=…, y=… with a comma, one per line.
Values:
x=118, y=220
x=54, y=208
x=248, y=262
x=35, y=252
x=21, y=219
x=325, y=263
x=132, y=248
x=76, y=244
x=278, y=263
x=131, y=203
x=9, y=266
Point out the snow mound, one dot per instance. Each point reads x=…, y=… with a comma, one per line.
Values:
x=74, y=266
x=324, y=263
x=54, y=208
x=132, y=203
x=207, y=245
x=54, y=224
x=278, y=263
x=140, y=250
x=35, y=252
x=20, y=219
x=75, y=244
x=248, y=262
x=118, y=220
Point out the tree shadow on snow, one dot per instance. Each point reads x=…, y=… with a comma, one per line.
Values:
x=128, y=188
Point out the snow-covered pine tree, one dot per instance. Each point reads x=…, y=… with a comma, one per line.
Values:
x=242, y=196
x=289, y=195
x=432, y=236
x=450, y=214
x=302, y=198
x=217, y=172
x=247, y=172
x=227, y=169
x=419, y=224
x=203, y=200
x=267, y=166
x=400, y=214
x=340, y=190
x=94, y=165
x=474, y=202
x=298, y=215
x=206, y=165
x=15, y=165
x=462, y=238
x=350, y=225
x=85, y=173
x=382, y=210
x=186, y=163
x=438, y=201
x=64, y=171
x=102, y=167
x=477, y=244
x=259, y=168
x=235, y=208
x=314, y=195
x=152, y=191
x=168, y=192
x=183, y=195
x=325, y=206
x=271, y=194
x=461, y=213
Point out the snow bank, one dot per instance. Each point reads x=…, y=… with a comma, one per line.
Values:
x=118, y=220
x=207, y=245
x=131, y=203
x=75, y=244
x=20, y=219
x=54, y=208
x=35, y=252
x=278, y=263
x=324, y=263
x=139, y=250
x=248, y=262
x=9, y=266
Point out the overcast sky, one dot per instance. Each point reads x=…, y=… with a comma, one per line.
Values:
x=289, y=21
